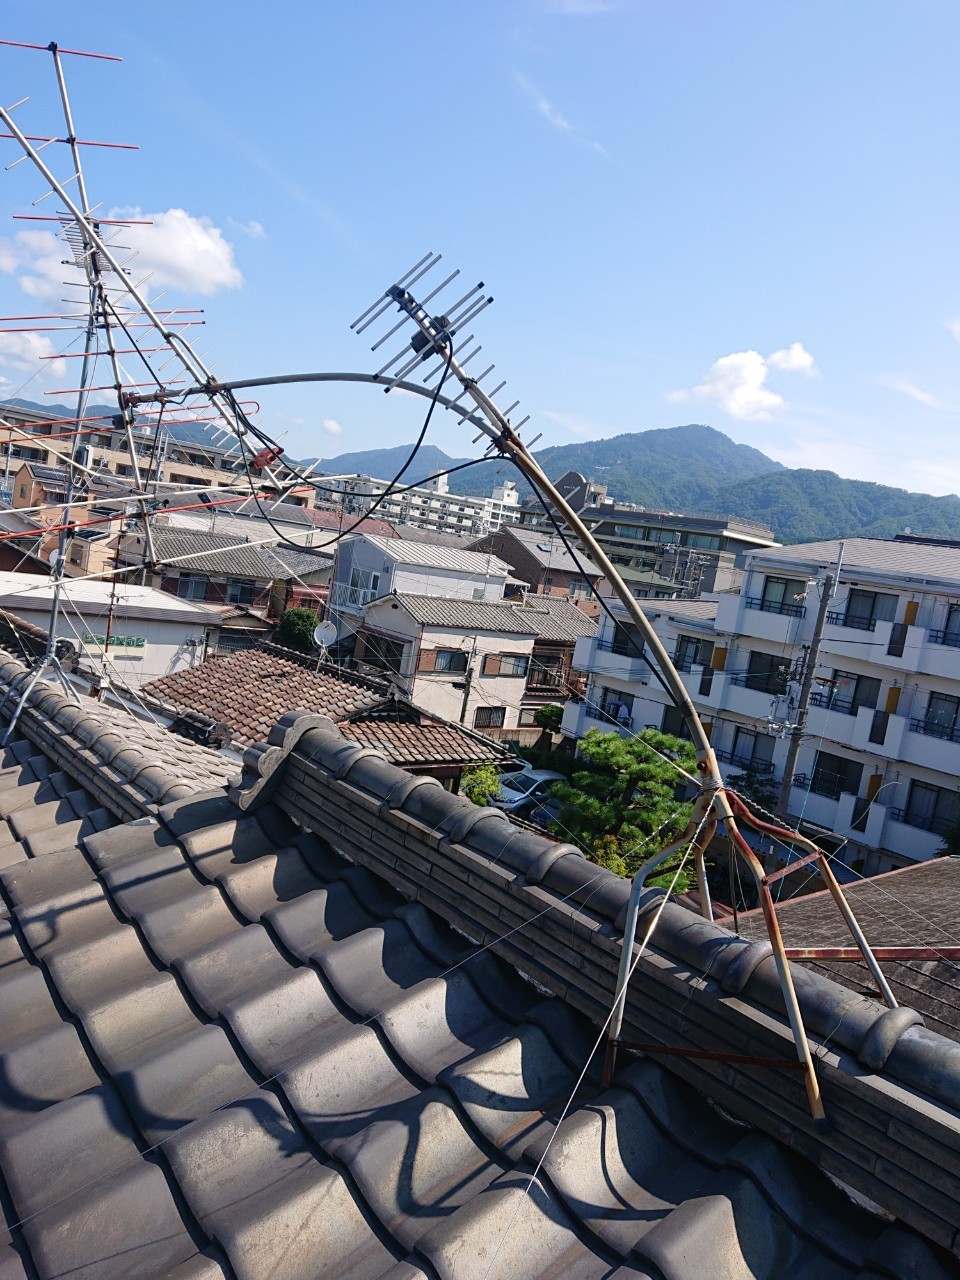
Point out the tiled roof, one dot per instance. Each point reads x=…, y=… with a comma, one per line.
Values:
x=470, y=615
x=336, y=522
x=189, y=550
x=901, y=559
x=50, y=475
x=917, y=906
x=556, y=620
x=228, y=1050
x=550, y=551
x=440, y=557
x=696, y=610
x=29, y=592
x=249, y=691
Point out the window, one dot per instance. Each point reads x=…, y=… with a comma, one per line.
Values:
x=364, y=586
x=930, y=808
x=942, y=714
x=708, y=541
x=577, y=589
x=780, y=595
x=951, y=634
x=451, y=660
x=767, y=673
x=833, y=775
x=866, y=608
x=514, y=664
x=663, y=535
x=690, y=651
x=753, y=750
x=626, y=640
x=850, y=692
x=382, y=652
x=673, y=722
x=192, y=586
x=240, y=591
x=489, y=717
x=22, y=491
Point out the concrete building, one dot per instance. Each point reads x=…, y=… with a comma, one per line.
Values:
x=429, y=506
x=880, y=757
x=150, y=633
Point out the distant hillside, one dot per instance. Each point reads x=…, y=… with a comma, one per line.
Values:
x=691, y=467
x=696, y=467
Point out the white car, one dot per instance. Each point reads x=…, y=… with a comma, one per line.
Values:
x=521, y=791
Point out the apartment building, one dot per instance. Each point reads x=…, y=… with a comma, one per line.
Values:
x=880, y=757
x=429, y=506
x=183, y=454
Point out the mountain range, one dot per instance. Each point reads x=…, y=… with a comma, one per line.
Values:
x=698, y=468
x=684, y=468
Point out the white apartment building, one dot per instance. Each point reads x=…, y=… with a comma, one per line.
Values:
x=431, y=506
x=368, y=566
x=879, y=760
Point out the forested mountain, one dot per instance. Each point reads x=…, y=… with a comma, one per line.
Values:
x=683, y=468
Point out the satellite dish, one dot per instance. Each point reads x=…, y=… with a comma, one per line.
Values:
x=53, y=557
x=325, y=634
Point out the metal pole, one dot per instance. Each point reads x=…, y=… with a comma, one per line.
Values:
x=803, y=703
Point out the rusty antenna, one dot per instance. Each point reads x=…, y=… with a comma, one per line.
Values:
x=429, y=326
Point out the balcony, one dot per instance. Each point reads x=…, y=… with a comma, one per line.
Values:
x=780, y=622
x=933, y=746
x=764, y=767
x=578, y=717
x=747, y=699
x=597, y=656
x=940, y=656
x=853, y=622
x=344, y=596
x=546, y=679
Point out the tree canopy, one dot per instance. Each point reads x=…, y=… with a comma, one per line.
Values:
x=625, y=801
x=295, y=630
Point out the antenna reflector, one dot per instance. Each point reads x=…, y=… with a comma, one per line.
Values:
x=325, y=634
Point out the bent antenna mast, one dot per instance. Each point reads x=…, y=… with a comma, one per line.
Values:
x=429, y=352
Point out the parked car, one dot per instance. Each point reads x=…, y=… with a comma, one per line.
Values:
x=524, y=790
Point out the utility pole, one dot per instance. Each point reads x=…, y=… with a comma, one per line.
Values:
x=467, y=682
x=803, y=703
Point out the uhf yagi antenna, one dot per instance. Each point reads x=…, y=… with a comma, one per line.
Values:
x=430, y=348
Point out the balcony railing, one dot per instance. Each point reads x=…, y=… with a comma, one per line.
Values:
x=844, y=706
x=786, y=607
x=545, y=678
x=946, y=732
x=838, y=619
x=937, y=823
x=760, y=683
x=745, y=762
x=618, y=647
x=348, y=597
x=609, y=713
x=801, y=781
x=951, y=638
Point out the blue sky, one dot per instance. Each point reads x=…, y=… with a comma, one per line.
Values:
x=740, y=214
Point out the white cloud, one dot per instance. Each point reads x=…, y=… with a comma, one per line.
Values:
x=332, y=427
x=585, y=428
x=24, y=350
x=793, y=359
x=908, y=389
x=253, y=229
x=181, y=250
x=954, y=327
x=738, y=382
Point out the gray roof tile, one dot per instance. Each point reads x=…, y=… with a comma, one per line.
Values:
x=413, y=1085
x=470, y=615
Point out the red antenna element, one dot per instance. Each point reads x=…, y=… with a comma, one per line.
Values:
x=55, y=48
x=75, y=142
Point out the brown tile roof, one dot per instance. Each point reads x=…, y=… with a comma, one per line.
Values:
x=251, y=690
x=917, y=906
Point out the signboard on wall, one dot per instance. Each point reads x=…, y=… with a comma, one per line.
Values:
x=118, y=646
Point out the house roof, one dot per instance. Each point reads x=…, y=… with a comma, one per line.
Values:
x=250, y=690
x=27, y=592
x=698, y=611
x=233, y=1044
x=912, y=560
x=556, y=620
x=217, y=554
x=916, y=906
x=49, y=475
x=336, y=522
x=468, y=615
x=432, y=556
x=549, y=550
